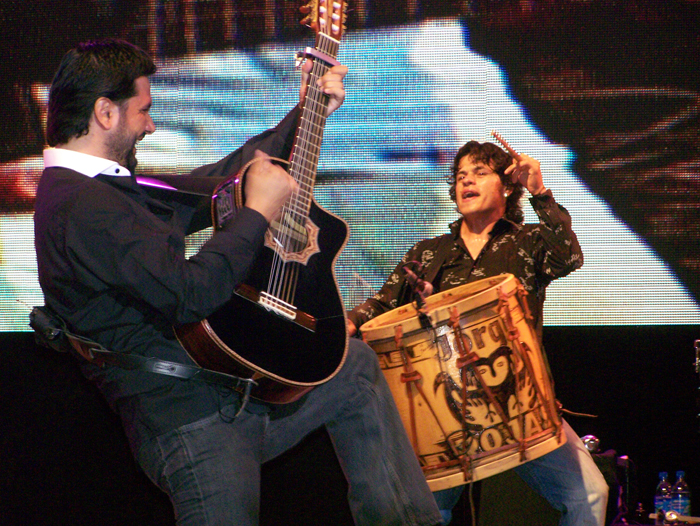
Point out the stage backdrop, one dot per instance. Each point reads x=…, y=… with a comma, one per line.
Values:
x=598, y=91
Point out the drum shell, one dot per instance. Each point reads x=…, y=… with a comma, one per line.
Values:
x=511, y=414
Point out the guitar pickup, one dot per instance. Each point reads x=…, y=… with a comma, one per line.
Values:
x=224, y=204
x=277, y=306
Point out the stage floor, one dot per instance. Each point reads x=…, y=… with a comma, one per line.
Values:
x=66, y=462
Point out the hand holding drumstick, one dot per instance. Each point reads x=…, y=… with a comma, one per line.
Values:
x=524, y=170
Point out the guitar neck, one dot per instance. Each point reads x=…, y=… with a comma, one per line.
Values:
x=307, y=144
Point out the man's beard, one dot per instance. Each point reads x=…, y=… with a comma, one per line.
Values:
x=130, y=161
x=122, y=148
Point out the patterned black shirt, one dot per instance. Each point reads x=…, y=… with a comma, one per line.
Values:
x=534, y=253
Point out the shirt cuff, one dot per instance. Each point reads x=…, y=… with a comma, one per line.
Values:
x=543, y=199
x=248, y=223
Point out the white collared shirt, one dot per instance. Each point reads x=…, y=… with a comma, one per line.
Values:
x=83, y=163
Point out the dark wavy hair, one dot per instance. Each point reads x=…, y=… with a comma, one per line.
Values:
x=99, y=68
x=498, y=159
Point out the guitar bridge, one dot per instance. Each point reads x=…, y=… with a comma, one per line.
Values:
x=278, y=306
x=281, y=308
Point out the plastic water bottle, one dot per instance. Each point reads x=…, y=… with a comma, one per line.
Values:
x=680, y=495
x=662, y=498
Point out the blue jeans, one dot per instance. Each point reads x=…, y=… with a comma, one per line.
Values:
x=567, y=477
x=211, y=468
x=570, y=481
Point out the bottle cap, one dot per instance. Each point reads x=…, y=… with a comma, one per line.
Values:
x=591, y=443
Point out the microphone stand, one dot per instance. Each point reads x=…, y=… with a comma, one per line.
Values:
x=420, y=289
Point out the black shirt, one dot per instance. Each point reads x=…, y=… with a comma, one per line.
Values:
x=111, y=262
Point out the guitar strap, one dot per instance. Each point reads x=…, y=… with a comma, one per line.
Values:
x=50, y=331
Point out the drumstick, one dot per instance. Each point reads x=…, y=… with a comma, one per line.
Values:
x=506, y=146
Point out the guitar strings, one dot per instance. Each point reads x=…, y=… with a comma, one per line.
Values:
x=284, y=276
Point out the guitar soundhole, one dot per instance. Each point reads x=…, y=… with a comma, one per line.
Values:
x=290, y=233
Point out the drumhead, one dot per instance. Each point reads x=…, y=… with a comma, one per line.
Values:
x=437, y=307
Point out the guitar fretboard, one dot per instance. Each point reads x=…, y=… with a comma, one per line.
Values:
x=307, y=147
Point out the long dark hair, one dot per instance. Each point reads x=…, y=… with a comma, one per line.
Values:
x=498, y=159
x=101, y=68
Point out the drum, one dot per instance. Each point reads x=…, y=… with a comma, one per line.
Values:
x=470, y=381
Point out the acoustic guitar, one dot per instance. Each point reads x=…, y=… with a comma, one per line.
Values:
x=285, y=325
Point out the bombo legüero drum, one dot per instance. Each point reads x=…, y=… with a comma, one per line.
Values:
x=469, y=379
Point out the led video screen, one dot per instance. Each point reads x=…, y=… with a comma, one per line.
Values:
x=610, y=111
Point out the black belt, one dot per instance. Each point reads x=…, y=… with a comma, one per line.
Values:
x=50, y=331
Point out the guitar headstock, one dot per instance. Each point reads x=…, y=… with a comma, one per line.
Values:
x=325, y=16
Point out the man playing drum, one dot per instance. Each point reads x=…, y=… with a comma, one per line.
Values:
x=490, y=239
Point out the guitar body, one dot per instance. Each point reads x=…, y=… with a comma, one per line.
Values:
x=285, y=326
x=286, y=358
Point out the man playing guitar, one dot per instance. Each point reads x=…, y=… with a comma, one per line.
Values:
x=112, y=265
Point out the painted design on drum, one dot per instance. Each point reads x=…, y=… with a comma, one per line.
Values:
x=504, y=374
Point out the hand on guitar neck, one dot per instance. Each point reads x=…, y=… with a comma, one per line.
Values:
x=267, y=187
x=331, y=84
